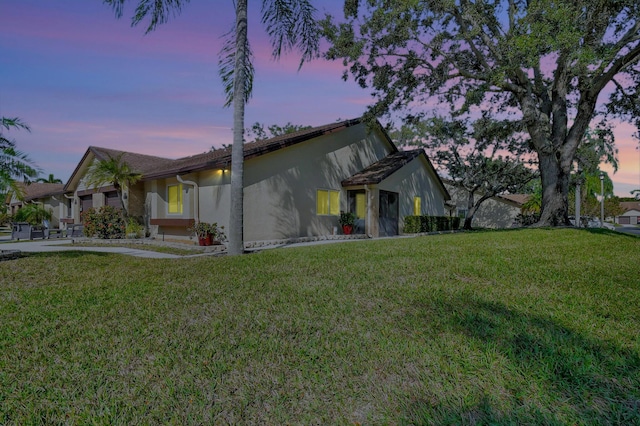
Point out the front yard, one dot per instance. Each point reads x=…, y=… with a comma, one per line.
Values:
x=515, y=327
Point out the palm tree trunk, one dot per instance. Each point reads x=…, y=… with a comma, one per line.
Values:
x=236, y=241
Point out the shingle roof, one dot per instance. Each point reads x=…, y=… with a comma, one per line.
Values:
x=516, y=198
x=36, y=190
x=630, y=205
x=222, y=157
x=382, y=169
x=140, y=163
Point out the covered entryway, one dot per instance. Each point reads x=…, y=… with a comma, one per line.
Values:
x=358, y=206
x=388, y=216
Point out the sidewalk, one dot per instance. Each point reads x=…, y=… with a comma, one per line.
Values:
x=63, y=244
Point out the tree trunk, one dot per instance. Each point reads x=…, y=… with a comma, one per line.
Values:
x=555, y=187
x=471, y=211
x=236, y=240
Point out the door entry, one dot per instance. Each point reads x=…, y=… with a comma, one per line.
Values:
x=388, y=219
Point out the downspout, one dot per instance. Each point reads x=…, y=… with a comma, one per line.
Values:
x=72, y=208
x=196, y=198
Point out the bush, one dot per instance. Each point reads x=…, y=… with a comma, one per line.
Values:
x=418, y=224
x=104, y=222
x=134, y=228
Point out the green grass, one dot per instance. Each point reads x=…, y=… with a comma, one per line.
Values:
x=519, y=327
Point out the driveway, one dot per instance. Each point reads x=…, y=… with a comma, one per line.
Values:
x=631, y=230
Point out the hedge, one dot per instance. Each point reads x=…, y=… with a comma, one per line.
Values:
x=418, y=224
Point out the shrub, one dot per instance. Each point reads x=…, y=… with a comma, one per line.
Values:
x=134, y=228
x=104, y=222
x=416, y=224
x=412, y=224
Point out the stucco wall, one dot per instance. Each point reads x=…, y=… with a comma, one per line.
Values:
x=416, y=180
x=280, y=187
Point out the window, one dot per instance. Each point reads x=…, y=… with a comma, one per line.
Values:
x=462, y=213
x=361, y=205
x=327, y=202
x=174, y=194
x=417, y=206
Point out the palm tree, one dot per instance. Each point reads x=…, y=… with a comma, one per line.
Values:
x=14, y=165
x=289, y=23
x=50, y=179
x=116, y=172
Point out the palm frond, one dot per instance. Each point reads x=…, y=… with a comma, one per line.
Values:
x=157, y=11
x=15, y=164
x=291, y=25
x=227, y=64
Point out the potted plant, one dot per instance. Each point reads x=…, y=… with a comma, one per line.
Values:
x=203, y=232
x=217, y=233
x=347, y=219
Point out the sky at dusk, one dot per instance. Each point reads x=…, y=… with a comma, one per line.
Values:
x=80, y=77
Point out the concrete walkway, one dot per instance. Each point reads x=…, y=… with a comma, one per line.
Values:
x=39, y=246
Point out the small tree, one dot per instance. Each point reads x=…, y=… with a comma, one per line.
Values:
x=116, y=172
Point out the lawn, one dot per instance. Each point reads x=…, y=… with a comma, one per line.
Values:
x=517, y=327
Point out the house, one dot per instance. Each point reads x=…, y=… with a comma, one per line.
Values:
x=631, y=215
x=500, y=211
x=295, y=185
x=49, y=195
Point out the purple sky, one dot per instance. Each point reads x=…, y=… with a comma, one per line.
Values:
x=80, y=77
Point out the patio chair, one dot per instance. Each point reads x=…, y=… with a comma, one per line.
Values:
x=75, y=230
x=26, y=231
x=51, y=233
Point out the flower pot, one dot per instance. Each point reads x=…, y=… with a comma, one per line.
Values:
x=205, y=241
x=347, y=229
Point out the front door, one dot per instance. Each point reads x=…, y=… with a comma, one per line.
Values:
x=388, y=219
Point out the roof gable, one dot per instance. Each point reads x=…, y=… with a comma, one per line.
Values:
x=221, y=158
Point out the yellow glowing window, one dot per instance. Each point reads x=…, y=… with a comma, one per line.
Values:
x=327, y=202
x=417, y=206
x=361, y=206
x=175, y=199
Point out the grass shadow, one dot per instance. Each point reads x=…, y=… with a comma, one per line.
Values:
x=566, y=378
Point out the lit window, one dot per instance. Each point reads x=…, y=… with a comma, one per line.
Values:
x=174, y=193
x=417, y=206
x=361, y=206
x=327, y=202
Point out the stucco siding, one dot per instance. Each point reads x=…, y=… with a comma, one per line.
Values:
x=280, y=187
x=416, y=179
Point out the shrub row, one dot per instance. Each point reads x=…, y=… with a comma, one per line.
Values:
x=416, y=224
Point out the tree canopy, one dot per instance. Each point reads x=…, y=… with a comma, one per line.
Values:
x=557, y=66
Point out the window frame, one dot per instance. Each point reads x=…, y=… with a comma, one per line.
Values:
x=330, y=209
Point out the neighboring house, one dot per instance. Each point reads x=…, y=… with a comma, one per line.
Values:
x=85, y=197
x=631, y=216
x=295, y=185
x=500, y=211
x=49, y=195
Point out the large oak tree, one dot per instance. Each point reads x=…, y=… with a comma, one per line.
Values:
x=556, y=65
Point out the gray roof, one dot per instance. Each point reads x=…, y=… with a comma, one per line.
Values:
x=382, y=169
